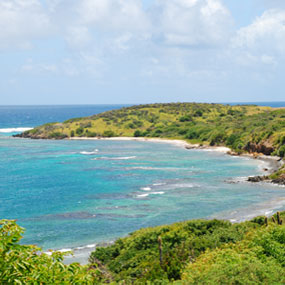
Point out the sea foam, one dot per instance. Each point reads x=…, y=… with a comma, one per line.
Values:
x=115, y=158
x=146, y=188
x=95, y=151
x=14, y=130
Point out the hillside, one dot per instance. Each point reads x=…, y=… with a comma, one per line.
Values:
x=242, y=128
x=190, y=252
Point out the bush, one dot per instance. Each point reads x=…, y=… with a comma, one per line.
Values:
x=186, y=118
x=192, y=134
x=57, y=136
x=79, y=131
x=108, y=134
x=281, y=151
x=22, y=264
x=91, y=134
x=138, y=133
x=259, y=259
x=136, y=258
x=232, y=139
x=198, y=113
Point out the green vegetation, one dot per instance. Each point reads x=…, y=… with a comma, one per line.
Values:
x=22, y=264
x=191, y=252
x=251, y=129
x=242, y=128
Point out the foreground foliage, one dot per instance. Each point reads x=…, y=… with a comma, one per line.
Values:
x=259, y=259
x=27, y=264
x=191, y=252
x=199, y=252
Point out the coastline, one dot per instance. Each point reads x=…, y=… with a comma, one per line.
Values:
x=81, y=253
x=272, y=163
x=176, y=142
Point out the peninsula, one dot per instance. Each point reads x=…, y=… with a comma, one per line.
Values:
x=243, y=128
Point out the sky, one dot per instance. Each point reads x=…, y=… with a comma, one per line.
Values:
x=141, y=51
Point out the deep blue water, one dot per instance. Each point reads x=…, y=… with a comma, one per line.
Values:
x=31, y=116
x=70, y=194
x=266, y=104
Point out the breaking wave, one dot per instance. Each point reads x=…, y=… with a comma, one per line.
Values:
x=14, y=130
x=95, y=151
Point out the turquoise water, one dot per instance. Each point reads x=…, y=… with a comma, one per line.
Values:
x=74, y=193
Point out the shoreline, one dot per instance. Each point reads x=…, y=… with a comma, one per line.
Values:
x=176, y=142
x=81, y=253
x=266, y=209
x=273, y=163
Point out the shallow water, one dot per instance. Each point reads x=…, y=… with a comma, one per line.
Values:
x=71, y=194
x=76, y=194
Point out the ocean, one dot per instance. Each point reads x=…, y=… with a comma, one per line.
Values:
x=78, y=194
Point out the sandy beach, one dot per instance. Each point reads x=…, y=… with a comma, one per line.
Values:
x=179, y=143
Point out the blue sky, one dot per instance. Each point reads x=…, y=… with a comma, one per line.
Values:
x=141, y=51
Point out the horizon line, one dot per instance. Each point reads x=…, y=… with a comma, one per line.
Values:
x=133, y=104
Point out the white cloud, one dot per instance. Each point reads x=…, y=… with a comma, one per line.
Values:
x=21, y=21
x=193, y=22
x=78, y=36
x=113, y=15
x=266, y=35
x=46, y=68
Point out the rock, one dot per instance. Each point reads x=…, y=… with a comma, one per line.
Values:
x=256, y=178
x=280, y=180
x=265, y=148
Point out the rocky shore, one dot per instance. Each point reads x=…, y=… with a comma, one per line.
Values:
x=276, y=171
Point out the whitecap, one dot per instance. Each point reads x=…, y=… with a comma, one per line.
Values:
x=146, y=188
x=91, y=245
x=157, y=193
x=65, y=250
x=95, y=151
x=142, y=195
x=124, y=158
x=114, y=158
x=158, y=184
x=86, y=246
x=14, y=130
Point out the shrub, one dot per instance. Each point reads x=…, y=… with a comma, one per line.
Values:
x=198, y=113
x=281, y=151
x=91, y=134
x=259, y=259
x=22, y=264
x=138, y=133
x=57, y=136
x=108, y=134
x=79, y=131
x=186, y=118
x=192, y=134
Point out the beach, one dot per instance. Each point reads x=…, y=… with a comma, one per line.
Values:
x=271, y=163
